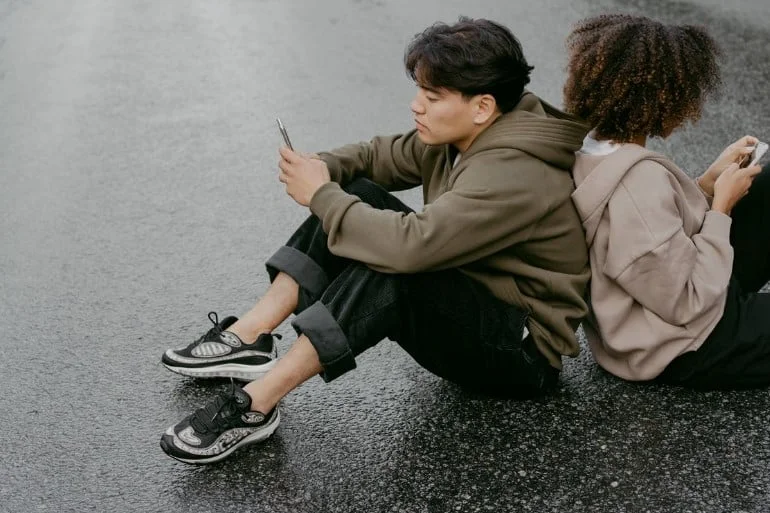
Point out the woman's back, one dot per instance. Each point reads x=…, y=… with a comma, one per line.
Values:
x=660, y=260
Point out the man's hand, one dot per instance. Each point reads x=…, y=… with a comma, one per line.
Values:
x=302, y=174
x=733, y=154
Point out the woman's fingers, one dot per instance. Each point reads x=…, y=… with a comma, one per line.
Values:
x=746, y=140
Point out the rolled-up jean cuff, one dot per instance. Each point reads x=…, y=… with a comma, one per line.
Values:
x=328, y=339
x=305, y=271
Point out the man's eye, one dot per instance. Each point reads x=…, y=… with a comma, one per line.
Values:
x=432, y=99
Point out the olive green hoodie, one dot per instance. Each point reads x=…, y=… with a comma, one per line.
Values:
x=501, y=214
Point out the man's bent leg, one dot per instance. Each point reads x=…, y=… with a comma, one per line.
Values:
x=449, y=323
x=306, y=256
x=289, y=268
x=272, y=309
x=299, y=364
x=300, y=272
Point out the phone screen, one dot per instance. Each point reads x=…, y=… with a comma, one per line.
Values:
x=759, y=151
x=284, y=134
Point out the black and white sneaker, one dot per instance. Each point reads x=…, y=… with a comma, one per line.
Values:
x=213, y=432
x=221, y=354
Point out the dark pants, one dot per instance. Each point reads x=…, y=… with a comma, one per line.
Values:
x=737, y=352
x=447, y=322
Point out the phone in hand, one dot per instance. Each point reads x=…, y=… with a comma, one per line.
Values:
x=284, y=134
x=757, y=152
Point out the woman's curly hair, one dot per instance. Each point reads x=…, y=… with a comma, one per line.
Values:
x=630, y=76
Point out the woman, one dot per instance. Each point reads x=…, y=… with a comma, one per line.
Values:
x=677, y=263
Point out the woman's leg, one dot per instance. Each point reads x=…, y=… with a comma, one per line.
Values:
x=736, y=355
x=750, y=235
x=737, y=352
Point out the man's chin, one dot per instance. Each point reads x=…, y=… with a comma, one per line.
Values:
x=427, y=139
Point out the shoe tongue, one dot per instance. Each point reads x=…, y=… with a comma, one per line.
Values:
x=224, y=407
x=242, y=399
x=241, y=403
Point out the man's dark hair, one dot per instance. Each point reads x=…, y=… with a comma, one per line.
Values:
x=472, y=57
x=631, y=77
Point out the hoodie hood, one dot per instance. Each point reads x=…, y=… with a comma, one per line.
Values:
x=536, y=128
x=596, y=178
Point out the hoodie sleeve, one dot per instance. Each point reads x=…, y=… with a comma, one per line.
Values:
x=393, y=161
x=650, y=256
x=484, y=202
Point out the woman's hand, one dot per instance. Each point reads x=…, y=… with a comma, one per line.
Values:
x=302, y=174
x=733, y=154
x=732, y=185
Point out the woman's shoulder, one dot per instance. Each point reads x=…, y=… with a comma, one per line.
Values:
x=655, y=174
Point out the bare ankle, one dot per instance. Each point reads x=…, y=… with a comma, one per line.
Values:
x=259, y=402
x=248, y=336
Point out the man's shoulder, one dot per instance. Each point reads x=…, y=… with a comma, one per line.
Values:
x=508, y=165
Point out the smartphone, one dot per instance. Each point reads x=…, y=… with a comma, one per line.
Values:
x=284, y=134
x=759, y=150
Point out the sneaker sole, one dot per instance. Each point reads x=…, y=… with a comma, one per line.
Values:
x=226, y=370
x=251, y=439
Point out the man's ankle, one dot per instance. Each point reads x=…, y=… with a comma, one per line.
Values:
x=247, y=338
x=258, y=402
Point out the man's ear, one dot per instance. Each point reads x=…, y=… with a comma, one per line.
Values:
x=486, y=107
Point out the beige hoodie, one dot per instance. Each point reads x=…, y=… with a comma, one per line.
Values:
x=660, y=260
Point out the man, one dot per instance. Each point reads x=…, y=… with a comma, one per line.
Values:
x=483, y=287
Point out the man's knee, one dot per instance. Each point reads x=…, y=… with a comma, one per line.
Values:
x=362, y=187
x=375, y=195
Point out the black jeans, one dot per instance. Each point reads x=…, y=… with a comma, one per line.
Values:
x=447, y=322
x=737, y=352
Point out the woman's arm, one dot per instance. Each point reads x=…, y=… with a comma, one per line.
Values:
x=674, y=275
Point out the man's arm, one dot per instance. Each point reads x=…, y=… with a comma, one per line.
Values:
x=484, y=213
x=394, y=162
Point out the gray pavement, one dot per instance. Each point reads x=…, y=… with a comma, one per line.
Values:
x=138, y=191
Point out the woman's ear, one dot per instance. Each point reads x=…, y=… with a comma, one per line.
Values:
x=485, y=108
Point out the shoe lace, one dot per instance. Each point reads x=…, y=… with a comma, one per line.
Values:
x=216, y=330
x=217, y=415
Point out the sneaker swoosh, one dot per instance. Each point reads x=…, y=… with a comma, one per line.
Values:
x=211, y=350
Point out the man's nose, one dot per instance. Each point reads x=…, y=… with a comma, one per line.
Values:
x=416, y=107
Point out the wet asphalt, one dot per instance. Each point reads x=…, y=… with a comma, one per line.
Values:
x=138, y=191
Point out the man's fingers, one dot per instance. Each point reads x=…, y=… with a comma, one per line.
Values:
x=285, y=166
x=282, y=177
x=289, y=155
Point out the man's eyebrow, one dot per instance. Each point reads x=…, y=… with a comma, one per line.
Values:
x=430, y=89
